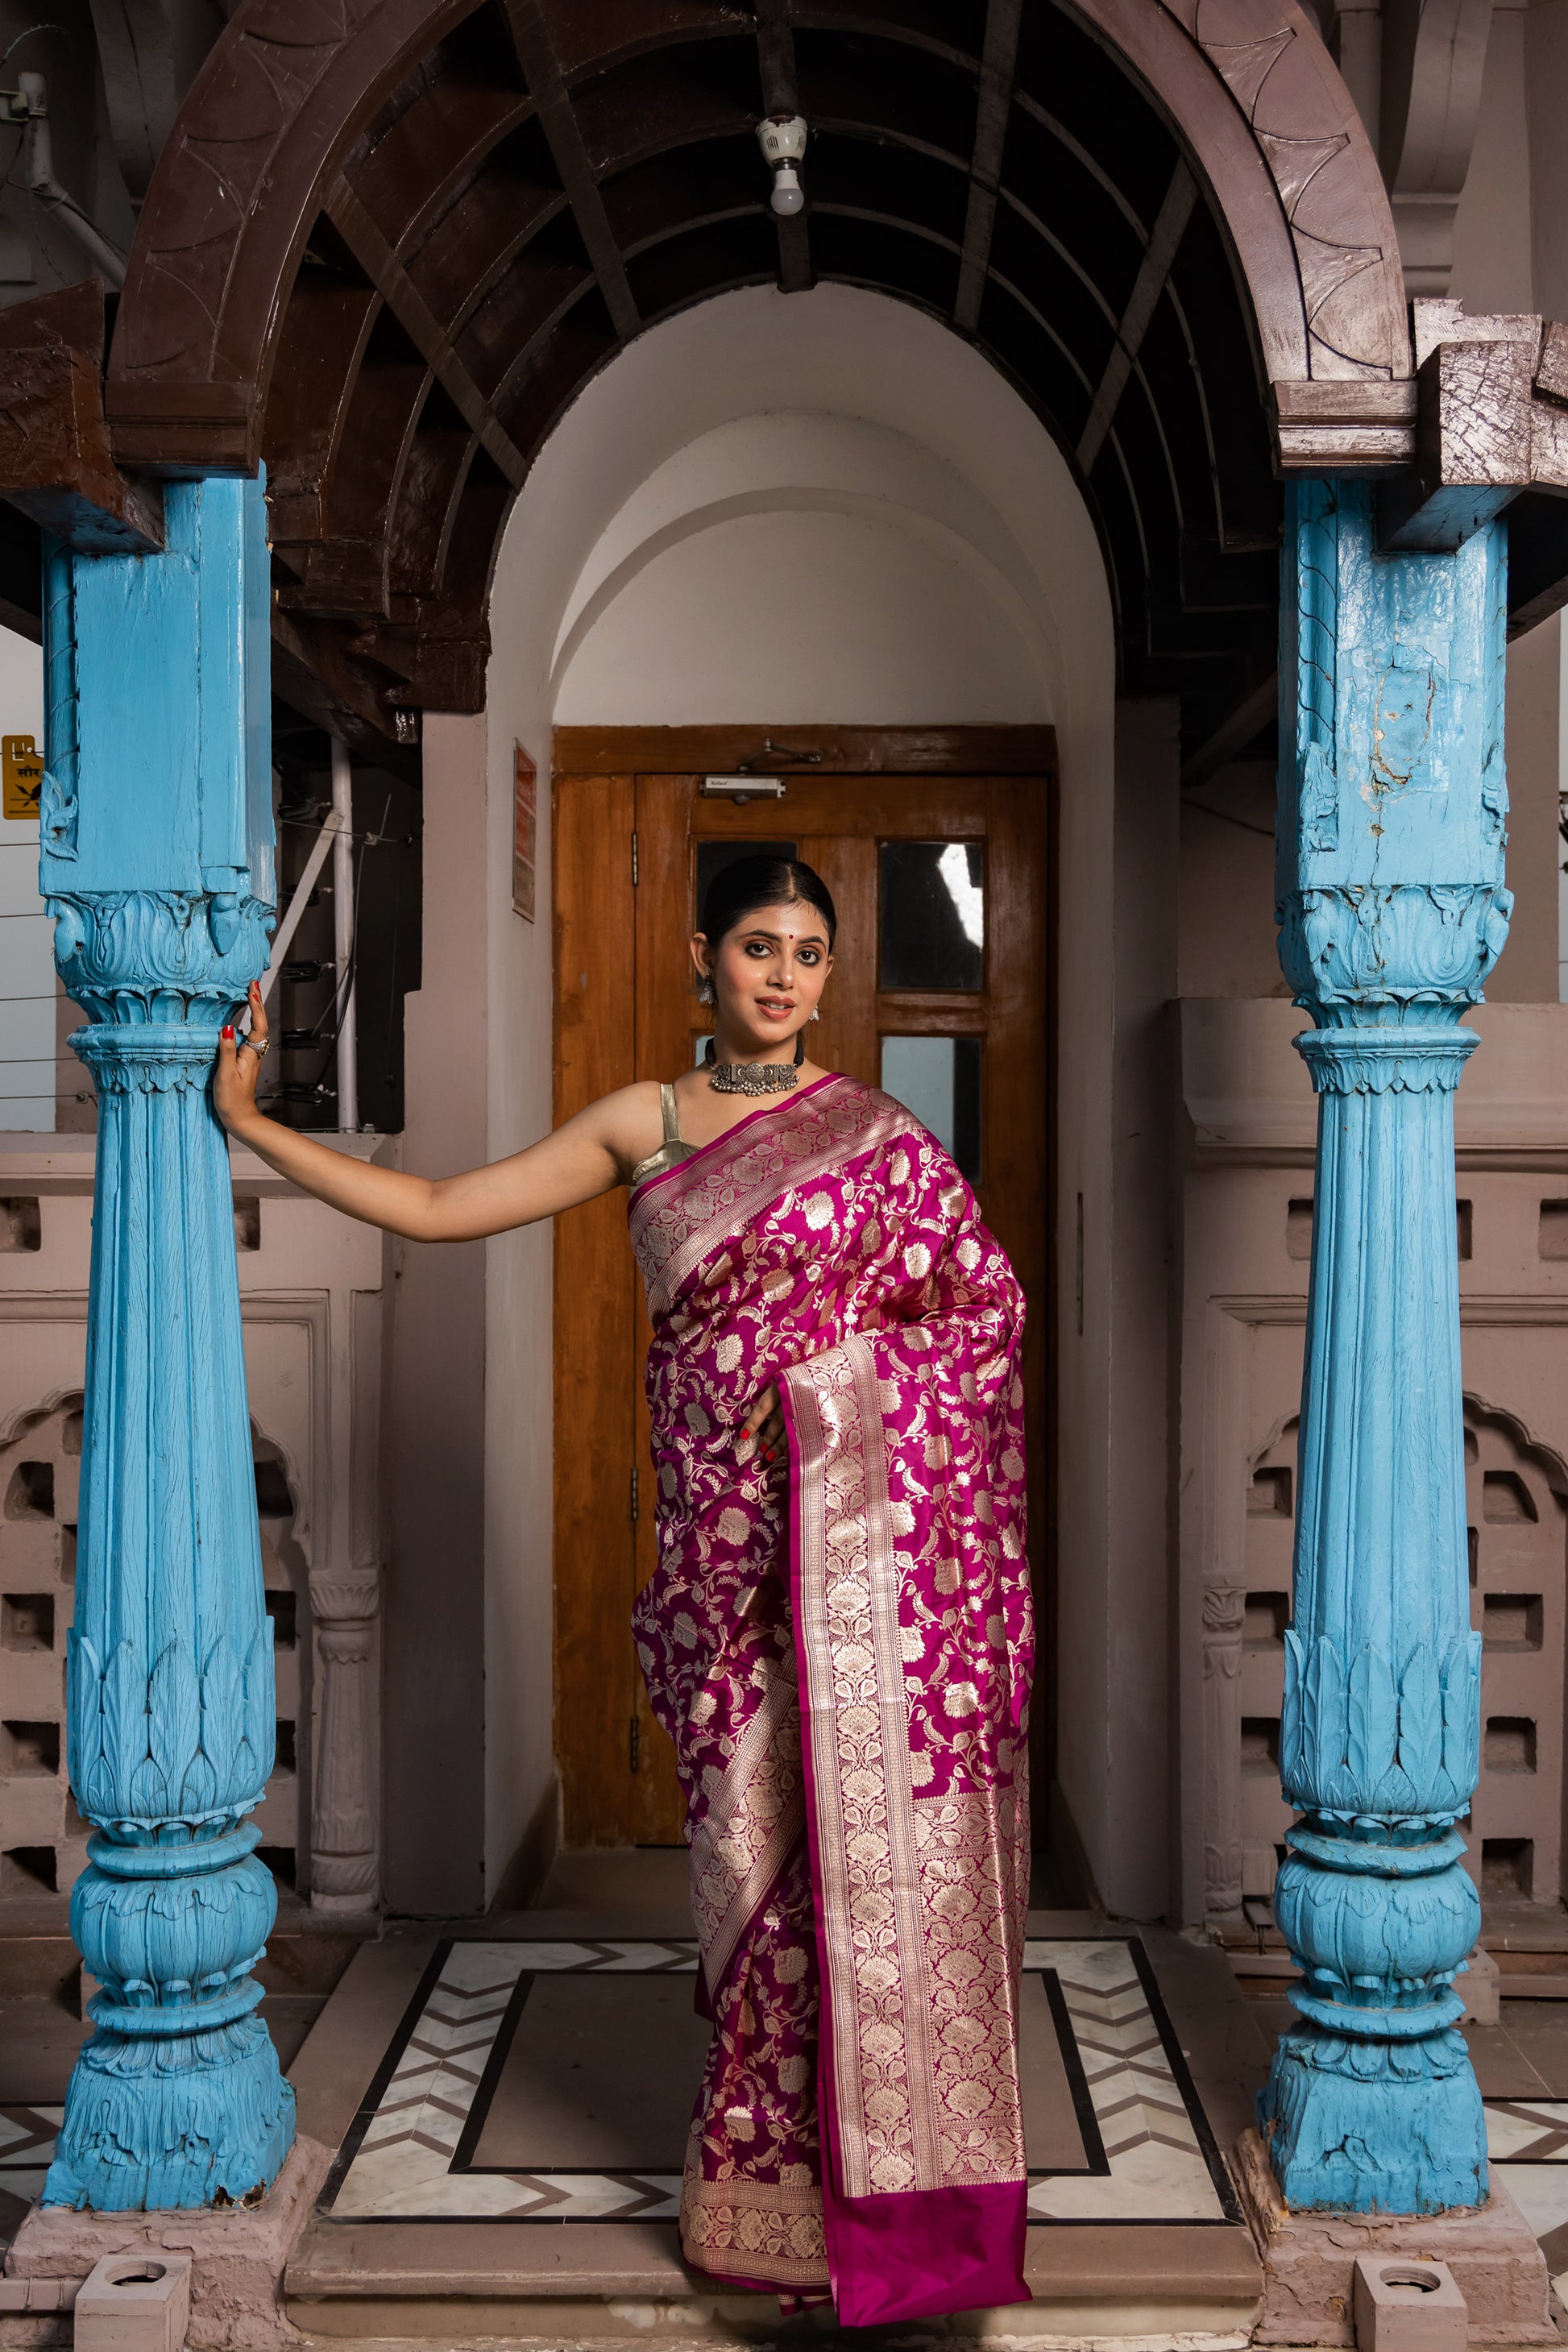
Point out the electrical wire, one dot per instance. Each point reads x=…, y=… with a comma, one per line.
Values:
x=1265, y=833
x=5, y=55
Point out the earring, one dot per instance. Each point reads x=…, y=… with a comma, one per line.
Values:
x=815, y=1015
x=706, y=992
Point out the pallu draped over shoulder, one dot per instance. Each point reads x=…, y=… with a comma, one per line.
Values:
x=840, y=1649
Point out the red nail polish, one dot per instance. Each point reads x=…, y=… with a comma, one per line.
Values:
x=229, y=1029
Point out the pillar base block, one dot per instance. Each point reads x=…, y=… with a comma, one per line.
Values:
x=238, y=2253
x=176, y=2124
x=1309, y=2259
x=1375, y=2127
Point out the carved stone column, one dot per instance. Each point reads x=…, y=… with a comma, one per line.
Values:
x=344, y=1851
x=157, y=869
x=1393, y=911
x=1223, y=1608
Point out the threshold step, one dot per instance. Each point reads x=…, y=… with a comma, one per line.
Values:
x=509, y=2110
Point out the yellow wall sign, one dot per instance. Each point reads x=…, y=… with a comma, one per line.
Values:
x=23, y=767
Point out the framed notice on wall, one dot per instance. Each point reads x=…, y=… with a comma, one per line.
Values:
x=525, y=778
x=24, y=774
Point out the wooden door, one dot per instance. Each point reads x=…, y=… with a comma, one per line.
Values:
x=939, y=992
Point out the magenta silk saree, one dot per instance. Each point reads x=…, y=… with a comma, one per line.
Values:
x=840, y=1649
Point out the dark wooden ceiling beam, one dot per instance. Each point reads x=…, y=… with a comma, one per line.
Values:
x=780, y=95
x=345, y=575
x=1164, y=238
x=998, y=66
x=442, y=140
x=326, y=328
x=317, y=672
x=558, y=120
x=54, y=457
x=1234, y=733
x=387, y=273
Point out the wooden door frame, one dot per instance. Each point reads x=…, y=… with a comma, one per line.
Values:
x=785, y=750
x=615, y=755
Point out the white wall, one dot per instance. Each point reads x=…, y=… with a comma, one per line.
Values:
x=899, y=541
x=1491, y=229
x=27, y=962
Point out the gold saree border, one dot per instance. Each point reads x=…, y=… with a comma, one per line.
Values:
x=754, y=2230
x=874, y=1941
x=754, y=1816
x=974, y=1885
x=921, y=1897
x=709, y=1199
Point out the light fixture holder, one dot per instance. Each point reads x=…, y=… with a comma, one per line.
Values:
x=783, y=138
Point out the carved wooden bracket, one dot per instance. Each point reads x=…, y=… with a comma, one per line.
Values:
x=56, y=464
x=1491, y=420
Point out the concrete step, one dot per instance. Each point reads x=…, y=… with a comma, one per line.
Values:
x=442, y=2218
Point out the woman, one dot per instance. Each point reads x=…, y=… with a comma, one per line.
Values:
x=838, y=1643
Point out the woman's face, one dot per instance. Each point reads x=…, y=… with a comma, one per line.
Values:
x=768, y=972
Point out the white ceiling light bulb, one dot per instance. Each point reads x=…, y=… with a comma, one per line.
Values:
x=788, y=195
x=781, y=138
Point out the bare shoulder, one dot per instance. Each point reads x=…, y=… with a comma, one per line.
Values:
x=629, y=1123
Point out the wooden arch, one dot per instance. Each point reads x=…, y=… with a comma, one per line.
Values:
x=388, y=240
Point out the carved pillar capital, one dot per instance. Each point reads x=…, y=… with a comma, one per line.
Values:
x=159, y=960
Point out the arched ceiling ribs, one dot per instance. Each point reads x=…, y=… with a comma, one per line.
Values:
x=780, y=95
x=1159, y=253
x=375, y=256
x=993, y=106
x=564, y=129
x=385, y=253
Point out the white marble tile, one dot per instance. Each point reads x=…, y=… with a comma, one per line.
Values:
x=1540, y=2192
x=27, y=2133
x=403, y=2165
x=1536, y=2127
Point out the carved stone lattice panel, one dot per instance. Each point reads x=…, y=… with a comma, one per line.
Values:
x=43, y=1838
x=1516, y=1505
x=1270, y=1534
x=284, y=1815
x=1516, y=1510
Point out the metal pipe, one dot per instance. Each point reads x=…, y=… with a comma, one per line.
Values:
x=41, y=182
x=344, y=939
x=283, y=937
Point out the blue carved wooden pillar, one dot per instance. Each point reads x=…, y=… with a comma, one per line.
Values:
x=1392, y=910
x=157, y=867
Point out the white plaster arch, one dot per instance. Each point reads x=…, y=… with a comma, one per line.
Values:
x=801, y=459
x=838, y=404
x=917, y=543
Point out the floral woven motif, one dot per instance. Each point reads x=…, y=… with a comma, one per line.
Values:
x=840, y=1649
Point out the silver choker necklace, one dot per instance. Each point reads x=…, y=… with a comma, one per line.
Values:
x=753, y=1077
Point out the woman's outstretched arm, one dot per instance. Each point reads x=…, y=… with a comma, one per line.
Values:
x=586, y=1157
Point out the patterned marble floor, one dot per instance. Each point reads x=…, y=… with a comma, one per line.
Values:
x=1528, y=2140
x=26, y=2144
x=1114, y=2099
x=1146, y=2152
